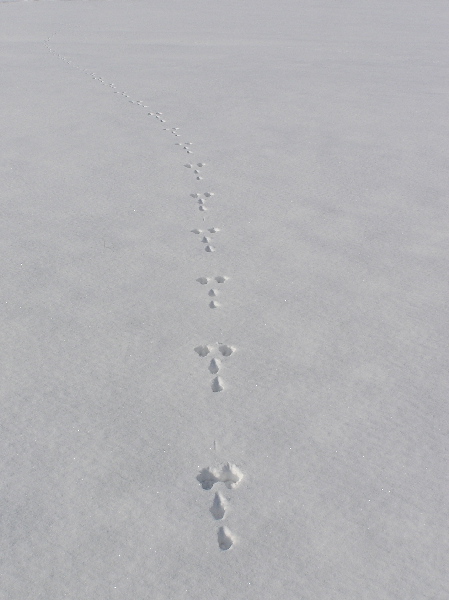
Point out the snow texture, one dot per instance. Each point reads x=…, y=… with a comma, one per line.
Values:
x=224, y=300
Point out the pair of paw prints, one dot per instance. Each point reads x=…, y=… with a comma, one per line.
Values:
x=157, y=116
x=206, y=239
x=215, y=364
x=229, y=475
x=187, y=146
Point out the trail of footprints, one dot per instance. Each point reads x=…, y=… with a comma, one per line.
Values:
x=230, y=476
x=227, y=476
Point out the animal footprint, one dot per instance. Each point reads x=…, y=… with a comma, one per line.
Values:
x=202, y=350
x=229, y=474
x=218, y=279
x=226, y=350
x=210, y=230
x=225, y=538
x=217, y=384
x=214, y=366
x=219, y=506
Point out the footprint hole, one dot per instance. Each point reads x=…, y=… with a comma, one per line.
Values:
x=202, y=350
x=226, y=350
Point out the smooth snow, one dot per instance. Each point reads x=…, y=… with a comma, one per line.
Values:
x=258, y=410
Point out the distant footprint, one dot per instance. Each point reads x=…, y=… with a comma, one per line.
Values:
x=213, y=292
x=196, y=168
x=206, y=239
x=225, y=538
x=224, y=349
x=201, y=201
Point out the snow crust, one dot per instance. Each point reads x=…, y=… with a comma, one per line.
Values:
x=224, y=300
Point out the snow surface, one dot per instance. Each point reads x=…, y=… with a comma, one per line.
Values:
x=318, y=468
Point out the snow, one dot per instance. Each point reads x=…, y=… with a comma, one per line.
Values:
x=265, y=419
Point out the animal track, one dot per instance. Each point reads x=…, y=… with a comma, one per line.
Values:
x=206, y=239
x=229, y=474
x=202, y=350
x=226, y=350
x=214, y=366
x=217, y=384
x=219, y=506
x=194, y=167
x=197, y=196
x=212, y=293
x=112, y=86
x=225, y=538
x=218, y=279
x=210, y=230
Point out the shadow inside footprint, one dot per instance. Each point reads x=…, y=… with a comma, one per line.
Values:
x=218, y=508
x=217, y=385
x=229, y=474
x=226, y=350
x=202, y=350
x=214, y=366
x=225, y=538
x=207, y=479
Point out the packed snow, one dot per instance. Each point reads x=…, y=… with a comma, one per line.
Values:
x=224, y=300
